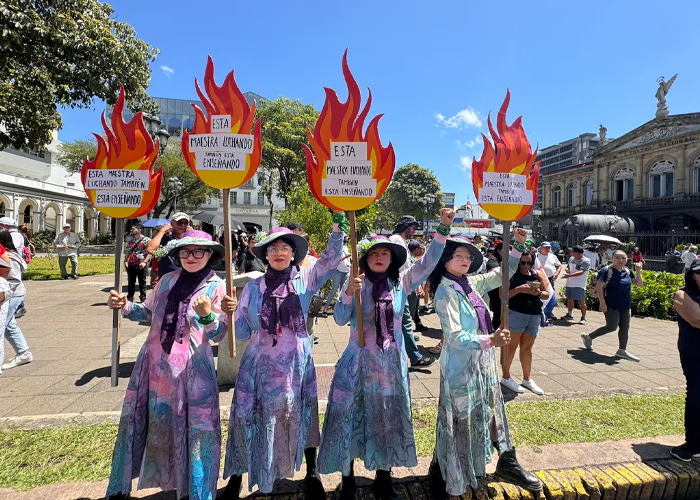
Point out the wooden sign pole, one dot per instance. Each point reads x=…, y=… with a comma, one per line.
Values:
x=355, y=273
x=505, y=283
x=229, y=271
x=117, y=313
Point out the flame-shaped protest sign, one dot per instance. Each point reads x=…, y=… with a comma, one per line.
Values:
x=120, y=183
x=221, y=150
x=351, y=169
x=505, y=181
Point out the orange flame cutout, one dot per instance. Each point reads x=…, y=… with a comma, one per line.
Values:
x=128, y=146
x=343, y=122
x=513, y=154
x=224, y=100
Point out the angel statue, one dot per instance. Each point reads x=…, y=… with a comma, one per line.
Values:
x=603, y=133
x=661, y=108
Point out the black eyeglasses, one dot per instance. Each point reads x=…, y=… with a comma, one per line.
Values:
x=525, y=263
x=197, y=253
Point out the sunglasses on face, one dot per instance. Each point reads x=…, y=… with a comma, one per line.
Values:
x=182, y=222
x=197, y=253
x=525, y=262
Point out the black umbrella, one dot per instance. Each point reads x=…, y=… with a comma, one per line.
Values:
x=217, y=219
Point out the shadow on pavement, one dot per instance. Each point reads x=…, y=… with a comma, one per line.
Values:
x=652, y=451
x=125, y=370
x=592, y=357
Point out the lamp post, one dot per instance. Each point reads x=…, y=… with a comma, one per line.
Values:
x=175, y=186
x=152, y=124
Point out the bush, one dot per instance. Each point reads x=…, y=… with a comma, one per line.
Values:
x=103, y=239
x=44, y=239
x=654, y=299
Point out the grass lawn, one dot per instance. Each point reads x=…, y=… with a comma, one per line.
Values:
x=34, y=458
x=45, y=268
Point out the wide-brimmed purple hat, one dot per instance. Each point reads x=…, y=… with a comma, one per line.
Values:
x=463, y=241
x=398, y=252
x=199, y=238
x=302, y=246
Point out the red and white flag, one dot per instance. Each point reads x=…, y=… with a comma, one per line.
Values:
x=470, y=208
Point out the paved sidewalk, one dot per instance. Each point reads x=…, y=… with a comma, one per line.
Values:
x=68, y=327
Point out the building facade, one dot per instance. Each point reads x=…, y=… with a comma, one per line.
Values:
x=646, y=180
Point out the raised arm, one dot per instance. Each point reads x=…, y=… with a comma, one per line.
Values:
x=484, y=283
x=155, y=242
x=320, y=271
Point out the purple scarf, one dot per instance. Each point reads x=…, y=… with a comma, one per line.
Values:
x=175, y=317
x=281, y=305
x=484, y=317
x=383, y=307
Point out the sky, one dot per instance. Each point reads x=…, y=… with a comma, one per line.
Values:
x=436, y=69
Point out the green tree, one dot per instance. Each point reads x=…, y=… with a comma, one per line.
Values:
x=65, y=54
x=284, y=123
x=408, y=194
x=462, y=207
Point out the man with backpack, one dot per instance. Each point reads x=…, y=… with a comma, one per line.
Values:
x=614, y=290
x=137, y=258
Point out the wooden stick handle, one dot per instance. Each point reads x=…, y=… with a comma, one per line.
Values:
x=229, y=272
x=117, y=313
x=355, y=273
x=505, y=283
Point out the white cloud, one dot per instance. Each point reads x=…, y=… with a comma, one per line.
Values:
x=468, y=117
x=466, y=163
x=167, y=70
x=466, y=145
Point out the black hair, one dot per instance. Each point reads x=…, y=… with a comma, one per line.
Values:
x=138, y=226
x=532, y=256
x=288, y=242
x=499, y=246
x=691, y=286
x=6, y=240
x=440, y=269
x=393, y=271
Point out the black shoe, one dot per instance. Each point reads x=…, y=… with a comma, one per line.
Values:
x=347, y=489
x=419, y=328
x=383, y=487
x=130, y=299
x=64, y=277
x=509, y=469
x=316, y=340
x=20, y=312
x=424, y=362
x=684, y=452
x=438, y=487
x=415, y=337
x=142, y=299
x=313, y=486
x=75, y=276
x=233, y=489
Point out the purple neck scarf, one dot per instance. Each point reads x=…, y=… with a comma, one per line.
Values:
x=482, y=314
x=383, y=307
x=281, y=305
x=175, y=317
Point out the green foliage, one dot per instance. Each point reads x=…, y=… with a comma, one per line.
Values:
x=407, y=194
x=655, y=298
x=103, y=239
x=46, y=268
x=72, y=155
x=284, y=123
x=65, y=53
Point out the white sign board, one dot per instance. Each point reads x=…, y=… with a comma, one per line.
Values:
x=348, y=172
x=220, y=124
x=118, y=179
x=352, y=187
x=220, y=160
x=348, y=151
x=505, y=188
x=126, y=199
x=234, y=143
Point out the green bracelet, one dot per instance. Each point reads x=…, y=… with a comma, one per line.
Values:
x=208, y=319
x=520, y=247
x=443, y=230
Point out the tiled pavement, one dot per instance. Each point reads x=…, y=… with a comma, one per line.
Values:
x=68, y=328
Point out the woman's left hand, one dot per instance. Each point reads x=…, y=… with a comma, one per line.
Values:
x=229, y=305
x=447, y=216
x=520, y=235
x=202, y=306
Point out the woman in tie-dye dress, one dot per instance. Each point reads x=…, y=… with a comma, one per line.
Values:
x=274, y=413
x=471, y=413
x=169, y=432
x=369, y=406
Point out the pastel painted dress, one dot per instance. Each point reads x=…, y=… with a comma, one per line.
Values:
x=369, y=406
x=169, y=432
x=274, y=413
x=470, y=394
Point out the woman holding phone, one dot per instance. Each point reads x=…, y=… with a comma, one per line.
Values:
x=527, y=289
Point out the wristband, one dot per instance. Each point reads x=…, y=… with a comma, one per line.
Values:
x=342, y=222
x=443, y=230
x=208, y=319
x=520, y=247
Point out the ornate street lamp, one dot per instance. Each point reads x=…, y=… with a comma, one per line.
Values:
x=152, y=124
x=175, y=186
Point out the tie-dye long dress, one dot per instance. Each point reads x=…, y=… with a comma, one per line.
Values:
x=274, y=413
x=369, y=406
x=169, y=431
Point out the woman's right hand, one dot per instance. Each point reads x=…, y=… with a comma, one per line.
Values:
x=603, y=307
x=116, y=300
x=524, y=288
x=500, y=338
x=354, y=285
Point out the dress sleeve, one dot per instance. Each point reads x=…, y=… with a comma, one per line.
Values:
x=143, y=311
x=316, y=275
x=217, y=329
x=416, y=274
x=447, y=309
x=484, y=283
x=344, y=307
x=243, y=330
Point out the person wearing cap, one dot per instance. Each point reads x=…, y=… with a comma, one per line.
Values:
x=11, y=330
x=17, y=238
x=471, y=413
x=687, y=302
x=403, y=233
x=169, y=431
x=137, y=259
x=296, y=228
x=167, y=238
x=369, y=406
x=576, y=276
x=5, y=297
x=416, y=250
x=274, y=422
x=552, y=268
x=67, y=244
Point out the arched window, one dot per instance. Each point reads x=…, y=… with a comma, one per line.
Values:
x=571, y=200
x=556, y=197
x=696, y=175
x=623, y=185
x=28, y=214
x=661, y=179
x=588, y=192
x=2, y=209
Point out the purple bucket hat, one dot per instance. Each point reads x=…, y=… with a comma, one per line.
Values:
x=199, y=238
x=302, y=246
x=398, y=252
x=463, y=241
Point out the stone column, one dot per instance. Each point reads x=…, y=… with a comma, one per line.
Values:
x=639, y=178
x=682, y=173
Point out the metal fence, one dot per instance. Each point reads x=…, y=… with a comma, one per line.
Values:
x=653, y=244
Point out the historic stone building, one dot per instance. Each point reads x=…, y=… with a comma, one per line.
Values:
x=646, y=180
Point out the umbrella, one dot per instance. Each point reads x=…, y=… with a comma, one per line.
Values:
x=602, y=238
x=155, y=222
x=217, y=219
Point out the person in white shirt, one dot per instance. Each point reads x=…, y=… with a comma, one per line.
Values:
x=576, y=277
x=67, y=244
x=17, y=238
x=552, y=267
x=590, y=253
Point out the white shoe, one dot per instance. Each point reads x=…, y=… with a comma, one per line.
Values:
x=21, y=359
x=619, y=354
x=531, y=385
x=512, y=385
x=587, y=341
